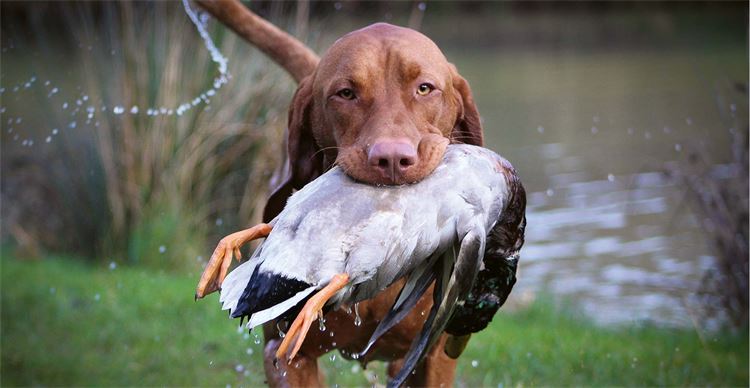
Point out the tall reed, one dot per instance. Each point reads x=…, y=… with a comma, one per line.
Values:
x=718, y=195
x=163, y=183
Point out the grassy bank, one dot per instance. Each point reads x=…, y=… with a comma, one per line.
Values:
x=66, y=323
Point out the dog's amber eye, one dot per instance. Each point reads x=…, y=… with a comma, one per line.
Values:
x=424, y=89
x=346, y=94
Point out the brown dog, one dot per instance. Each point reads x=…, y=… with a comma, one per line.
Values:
x=383, y=103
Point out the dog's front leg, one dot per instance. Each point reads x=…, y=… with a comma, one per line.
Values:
x=302, y=372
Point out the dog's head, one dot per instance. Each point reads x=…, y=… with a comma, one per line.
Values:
x=383, y=104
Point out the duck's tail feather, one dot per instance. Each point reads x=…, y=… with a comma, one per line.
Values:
x=450, y=286
x=234, y=285
x=416, y=284
x=263, y=316
x=261, y=296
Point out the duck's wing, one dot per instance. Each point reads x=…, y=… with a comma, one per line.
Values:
x=416, y=284
x=495, y=281
x=453, y=282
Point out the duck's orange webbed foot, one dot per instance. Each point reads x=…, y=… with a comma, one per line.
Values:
x=217, y=267
x=308, y=315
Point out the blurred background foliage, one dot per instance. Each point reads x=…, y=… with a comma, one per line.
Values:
x=626, y=120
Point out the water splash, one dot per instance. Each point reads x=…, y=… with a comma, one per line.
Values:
x=53, y=91
x=282, y=333
x=321, y=322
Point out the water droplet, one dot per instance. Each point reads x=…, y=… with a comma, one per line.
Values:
x=85, y=98
x=72, y=124
x=46, y=83
x=219, y=222
x=162, y=249
x=257, y=340
x=65, y=105
x=18, y=120
x=239, y=368
x=249, y=351
x=55, y=131
x=118, y=110
x=678, y=147
x=355, y=368
x=550, y=192
x=474, y=363
x=281, y=331
x=357, y=318
x=321, y=323
x=611, y=177
x=245, y=336
x=330, y=334
x=210, y=363
x=332, y=357
x=48, y=139
x=134, y=109
x=97, y=297
x=422, y=6
x=540, y=129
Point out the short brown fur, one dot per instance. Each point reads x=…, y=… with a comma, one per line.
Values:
x=384, y=66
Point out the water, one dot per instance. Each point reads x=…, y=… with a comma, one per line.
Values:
x=19, y=91
x=589, y=135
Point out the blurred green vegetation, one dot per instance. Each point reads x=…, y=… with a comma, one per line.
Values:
x=138, y=186
x=140, y=198
x=67, y=323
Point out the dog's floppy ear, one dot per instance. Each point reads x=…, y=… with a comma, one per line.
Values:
x=468, y=127
x=305, y=162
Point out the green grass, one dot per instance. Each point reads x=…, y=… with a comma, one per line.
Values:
x=67, y=323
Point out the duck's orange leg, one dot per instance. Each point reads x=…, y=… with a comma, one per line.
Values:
x=217, y=267
x=309, y=313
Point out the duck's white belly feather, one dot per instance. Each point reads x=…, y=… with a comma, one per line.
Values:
x=336, y=225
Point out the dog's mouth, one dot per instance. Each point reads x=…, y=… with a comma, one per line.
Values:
x=393, y=162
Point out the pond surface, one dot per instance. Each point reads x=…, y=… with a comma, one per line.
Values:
x=589, y=134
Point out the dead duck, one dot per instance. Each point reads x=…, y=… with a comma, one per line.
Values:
x=338, y=242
